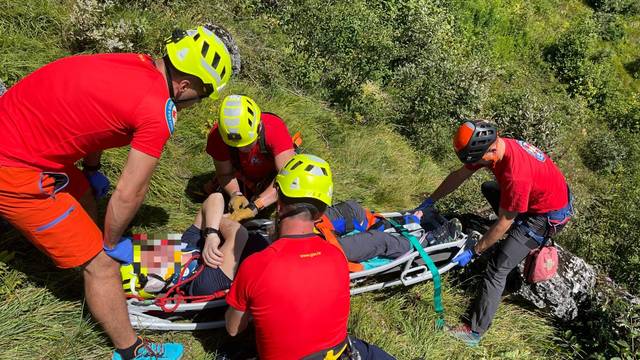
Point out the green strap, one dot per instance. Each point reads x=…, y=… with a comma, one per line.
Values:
x=437, y=288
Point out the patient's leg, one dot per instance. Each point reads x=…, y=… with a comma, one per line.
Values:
x=235, y=238
x=216, y=279
x=369, y=244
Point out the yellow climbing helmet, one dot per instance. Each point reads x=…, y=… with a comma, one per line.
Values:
x=239, y=120
x=306, y=176
x=131, y=283
x=202, y=54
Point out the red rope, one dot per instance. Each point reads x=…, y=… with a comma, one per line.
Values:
x=176, y=299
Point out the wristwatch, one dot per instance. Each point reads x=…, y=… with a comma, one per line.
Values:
x=209, y=230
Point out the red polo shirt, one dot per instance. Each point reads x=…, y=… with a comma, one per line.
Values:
x=254, y=165
x=529, y=180
x=297, y=291
x=82, y=104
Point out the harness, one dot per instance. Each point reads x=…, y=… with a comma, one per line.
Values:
x=234, y=155
x=344, y=350
x=329, y=229
x=555, y=219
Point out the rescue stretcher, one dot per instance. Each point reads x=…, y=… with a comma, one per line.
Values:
x=407, y=270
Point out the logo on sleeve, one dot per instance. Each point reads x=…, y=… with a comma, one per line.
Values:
x=170, y=114
x=532, y=150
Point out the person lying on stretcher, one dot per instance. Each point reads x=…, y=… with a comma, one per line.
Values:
x=220, y=242
x=361, y=234
x=214, y=238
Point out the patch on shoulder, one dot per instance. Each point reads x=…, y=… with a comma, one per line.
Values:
x=171, y=115
x=533, y=151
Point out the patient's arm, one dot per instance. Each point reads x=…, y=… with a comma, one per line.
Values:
x=209, y=217
x=227, y=255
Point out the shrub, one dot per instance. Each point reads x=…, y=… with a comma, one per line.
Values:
x=385, y=61
x=611, y=26
x=528, y=115
x=622, y=111
x=94, y=27
x=633, y=68
x=586, y=71
x=629, y=7
x=605, y=152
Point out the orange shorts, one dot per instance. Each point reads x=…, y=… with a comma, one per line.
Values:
x=44, y=208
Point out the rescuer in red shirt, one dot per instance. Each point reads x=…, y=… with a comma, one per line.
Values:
x=248, y=148
x=297, y=289
x=73, y=109
x=530, y=197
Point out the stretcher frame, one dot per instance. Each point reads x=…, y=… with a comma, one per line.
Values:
x=145, y=315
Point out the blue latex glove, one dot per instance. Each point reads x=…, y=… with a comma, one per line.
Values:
x=122, y=252
x=464, y=258
x=427, y=203
x=99, y=183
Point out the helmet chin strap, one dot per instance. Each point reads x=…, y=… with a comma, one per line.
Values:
x=167, y=70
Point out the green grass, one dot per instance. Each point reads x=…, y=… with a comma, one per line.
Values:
x=401, y=320
x=42, y=312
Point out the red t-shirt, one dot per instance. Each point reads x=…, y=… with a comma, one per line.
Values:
x=254, y=165
x=529, y=180
x=83, y=104
x=297, y=291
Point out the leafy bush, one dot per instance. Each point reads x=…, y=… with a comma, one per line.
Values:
x=575, y=61
x=629, y=7
x=611, y=26
x=605, y=152
x=94, y=27
x=609, y=328
x=622, y=111
x=385, y=61
x=526, y=114
x=633, y=68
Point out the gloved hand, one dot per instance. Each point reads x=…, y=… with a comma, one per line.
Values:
x=246, y=213
x=99, y=183
x=122, y=252
x=237, y=202
x=427, y=203
x=464, y=258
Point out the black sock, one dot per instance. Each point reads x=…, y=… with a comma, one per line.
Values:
x=130, y=352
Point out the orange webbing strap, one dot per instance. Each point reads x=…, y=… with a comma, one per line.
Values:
x=325, y=227
x=297, y=140
x=372, y=218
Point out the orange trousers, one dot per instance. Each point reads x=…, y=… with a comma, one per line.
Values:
x=44, y=207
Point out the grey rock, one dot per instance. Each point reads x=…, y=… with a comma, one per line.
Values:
x=3, y=89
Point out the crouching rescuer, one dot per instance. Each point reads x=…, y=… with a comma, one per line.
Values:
x=530, y=197
x=248, y=147
x=297, y=289
x=73, y=109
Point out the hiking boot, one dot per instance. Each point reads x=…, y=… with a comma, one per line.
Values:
x=156, y=351
x=455, y=227
x=465, y=334
x=447, y=232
